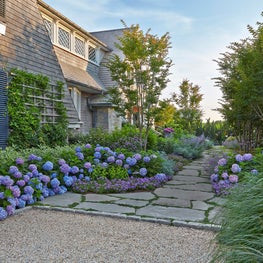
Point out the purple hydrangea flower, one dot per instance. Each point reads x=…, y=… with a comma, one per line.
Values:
x=21, y=183
x=104, y=165
x=88, y=146
x=254, y=172
x=32, y=167
x=74, y=169
x=137, y=156
x=224, y=175
x=222, y=162
x=161, y=177
x=97, y=155
x=7, y=181
x=87, y=165
x=21, y=203
x=111, y=159
x=87, y=178
x=28, y=190
x=247, y=157
x=13, y=170
x=146, y=159
x=119, y=162
x=61, y=161
x=45, y=179
x=126, y=166
x=233, y=178
x=10, y=210
x=80, y=155
x=78, y=149
x=239, y=158
x=65, y=168
x=2, y=195
x=45, y=192
x=33, y=157
x=214, y=177
x=68, y=180
x=12, y=201
x=15, y=191
x=55, y=182
x=143, y=171
x=96, y=161
x=81, y=176
x=3, y=213
x=26, y=178
x=131, y=161
x=19, y=161
x=98, y=148
x=47, y=166
x=18, y=175
x=235, y=168
x=121, y=156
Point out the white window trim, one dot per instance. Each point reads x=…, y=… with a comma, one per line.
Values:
x=76, y=98
x=70, y=37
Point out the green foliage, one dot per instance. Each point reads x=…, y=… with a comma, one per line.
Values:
x=188, y=102
x=25, y=111
x=240, y=238
x=216, y=131
x=110, y=172
x=241, y=84
x=140, y=77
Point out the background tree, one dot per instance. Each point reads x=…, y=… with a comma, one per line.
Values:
x=188, y=102
x=140, y=77
x=241, y=83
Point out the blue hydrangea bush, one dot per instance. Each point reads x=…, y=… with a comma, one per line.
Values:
x=230, y=170
x=87, y=168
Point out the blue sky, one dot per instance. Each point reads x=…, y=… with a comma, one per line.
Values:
x=200, y=30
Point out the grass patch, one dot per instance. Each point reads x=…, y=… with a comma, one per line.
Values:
x=241, y=236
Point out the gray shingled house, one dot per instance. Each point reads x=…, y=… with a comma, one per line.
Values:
x=36, y=38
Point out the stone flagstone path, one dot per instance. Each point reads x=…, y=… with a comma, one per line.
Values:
x=186, y=200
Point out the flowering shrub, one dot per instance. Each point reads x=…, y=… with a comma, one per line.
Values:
x=97, y=169
x=230, y=170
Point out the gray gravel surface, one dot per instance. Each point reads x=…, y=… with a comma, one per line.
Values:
x=53, y=236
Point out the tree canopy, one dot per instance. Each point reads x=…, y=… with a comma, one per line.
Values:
x=241, y=83
x=140, y=76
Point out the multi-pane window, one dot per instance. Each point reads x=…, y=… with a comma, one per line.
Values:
x=92, y=54
x=63, y=38
x=76, y=97
x=79, y=46
x=2, y=8
x=49, y=27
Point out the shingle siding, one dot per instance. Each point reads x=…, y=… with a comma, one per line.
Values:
x=27, y=45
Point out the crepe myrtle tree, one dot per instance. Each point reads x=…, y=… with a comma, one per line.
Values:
x=139, y=77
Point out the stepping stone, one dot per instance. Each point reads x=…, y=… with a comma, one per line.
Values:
x=172, y=202
x=195, y=187
x=193, y=167
x=132, y=202
x=188, y=179
x=99, y=198
x=183, y=194
x=62, y=200
x=189, y=172
x=136, y=195
x=171, y=213
x=200, y=205
x=111, y=208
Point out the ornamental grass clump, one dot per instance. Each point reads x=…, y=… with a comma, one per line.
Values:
x=98, y=169
x=241, y=236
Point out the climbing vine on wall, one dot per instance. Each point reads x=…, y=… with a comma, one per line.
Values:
x=37, y=115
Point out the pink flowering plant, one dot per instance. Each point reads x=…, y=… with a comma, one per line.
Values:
x=232, y=169
x=89, y=168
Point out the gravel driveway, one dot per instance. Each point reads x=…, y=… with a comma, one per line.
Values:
x=53, y=236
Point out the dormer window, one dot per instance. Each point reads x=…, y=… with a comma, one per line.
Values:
x=63, y=37
x=79, y=46
x=92, y=54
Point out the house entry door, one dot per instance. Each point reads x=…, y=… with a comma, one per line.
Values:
x=3, y=110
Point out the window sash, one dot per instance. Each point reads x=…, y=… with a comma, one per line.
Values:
x=63, y=37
